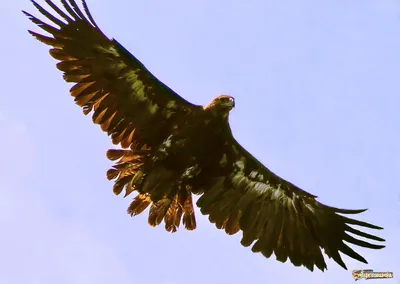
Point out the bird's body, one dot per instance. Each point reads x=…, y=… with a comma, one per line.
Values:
x=172, y=149
x=183, y=159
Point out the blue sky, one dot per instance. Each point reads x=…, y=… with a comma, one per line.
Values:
x=317, y=97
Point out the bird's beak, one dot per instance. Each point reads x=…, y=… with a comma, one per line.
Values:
x=232, y=102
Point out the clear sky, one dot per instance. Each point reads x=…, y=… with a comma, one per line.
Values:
x=317, y=88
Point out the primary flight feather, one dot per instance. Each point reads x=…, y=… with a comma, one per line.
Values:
x=173, y=149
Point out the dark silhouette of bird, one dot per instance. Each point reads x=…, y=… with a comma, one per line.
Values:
x=172, y=149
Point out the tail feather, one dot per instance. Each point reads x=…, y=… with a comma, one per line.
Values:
x=189, y=219
x=139, y=204
x=157, y=188
x=173, y=216
x=158, y=211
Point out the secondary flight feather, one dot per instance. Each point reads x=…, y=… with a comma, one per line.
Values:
x=172, y=149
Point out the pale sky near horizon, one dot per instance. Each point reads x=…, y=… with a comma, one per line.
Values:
x=317, y=101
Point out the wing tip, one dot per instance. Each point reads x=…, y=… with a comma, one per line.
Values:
x=349, y=211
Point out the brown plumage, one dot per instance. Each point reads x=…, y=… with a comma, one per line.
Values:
x=173, y=149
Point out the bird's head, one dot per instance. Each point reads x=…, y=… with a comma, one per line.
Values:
x=221, y=105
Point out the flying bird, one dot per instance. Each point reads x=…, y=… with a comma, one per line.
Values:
x=171, y=149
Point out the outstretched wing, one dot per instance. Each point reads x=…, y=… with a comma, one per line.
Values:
x=128, y=102
x=277, y=216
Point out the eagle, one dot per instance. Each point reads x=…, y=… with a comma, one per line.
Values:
x=170, y=149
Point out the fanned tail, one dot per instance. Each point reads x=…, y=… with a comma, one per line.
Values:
x=156, y=189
